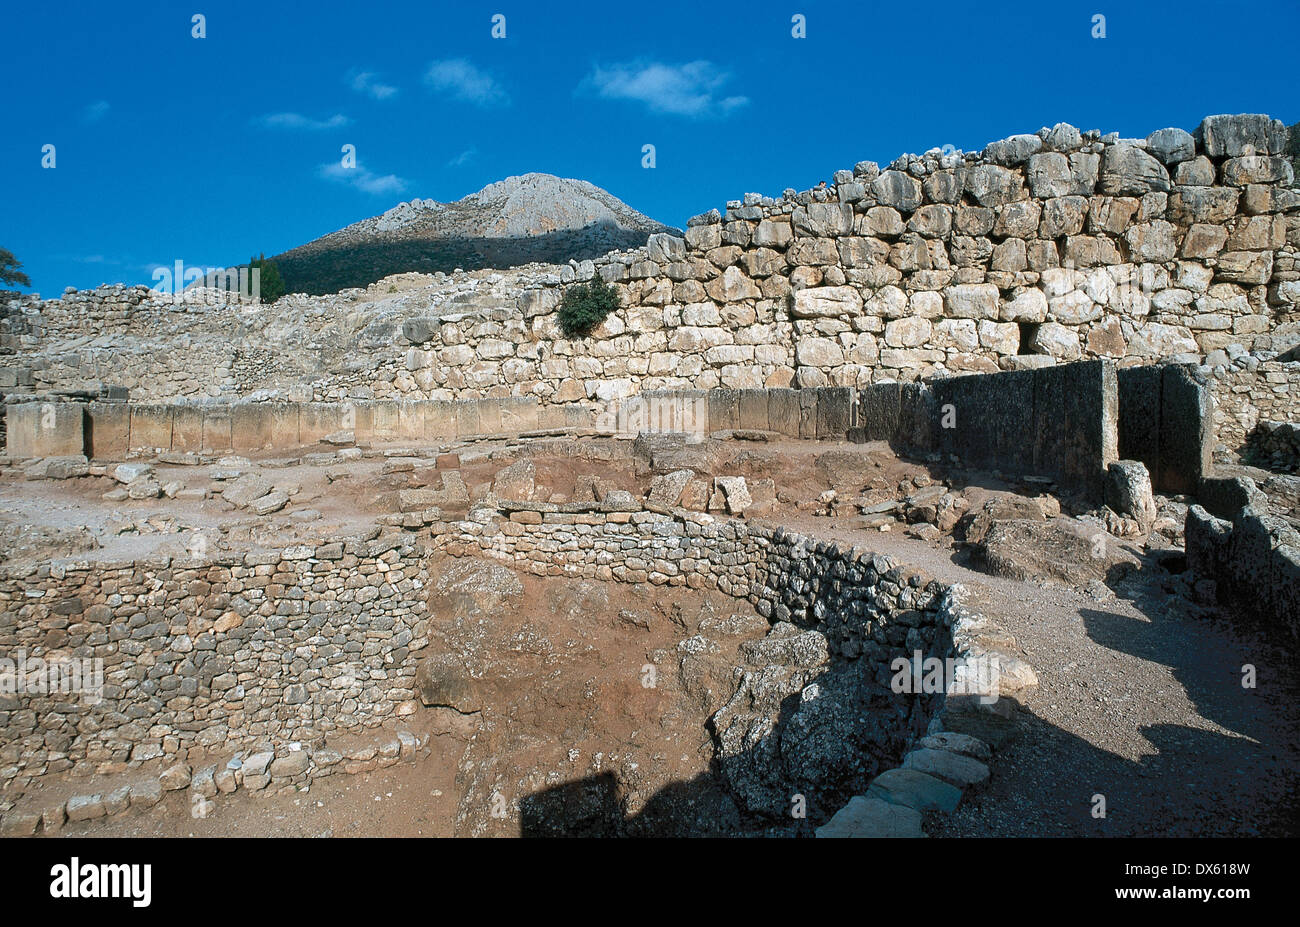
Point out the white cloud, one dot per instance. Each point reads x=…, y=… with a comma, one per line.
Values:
x=463, y=158
x=367, y=82
x=297, y=121
x=462, y=80
x=362, y=179
x=95, y=111
x=691, y=89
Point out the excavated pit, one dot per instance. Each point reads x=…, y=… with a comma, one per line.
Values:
x=596, y=709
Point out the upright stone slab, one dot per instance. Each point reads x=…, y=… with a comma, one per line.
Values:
x=1286, y=585
x=836, y=407
x=318, y=419
x=440, y=419
x=489, y=416
x=807, y=413
x=467, y=418
x=986, y=420
x=783, y=412
x=579, y=416
x=187, y=428
x=1080, y=444
x=385, y=421
x=753, y=410
x=151, y=426
x=410, y=419
x=1139, y=417
x=1186, y=431
x=1249, y=560
x=45, y=429
x=916, y=421
x=879, y=410
x=284, y=424
x=109, y=430
x=248, y=426
x=218, y=428
x=519, y=414
x=724, y=409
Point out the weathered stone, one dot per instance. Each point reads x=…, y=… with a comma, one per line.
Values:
x=1127, y=170
x=872, y=817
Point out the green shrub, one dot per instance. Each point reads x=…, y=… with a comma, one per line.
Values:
x=584, y=306
x=270, y=283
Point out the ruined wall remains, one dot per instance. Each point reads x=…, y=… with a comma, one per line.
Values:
x=224, y=651
x=869, y=606
x=277, y=646
x=1046, y=247
x=1249, y=559
x=1248, y=393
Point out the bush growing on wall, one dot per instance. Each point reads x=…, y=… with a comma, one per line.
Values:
x=584, y=306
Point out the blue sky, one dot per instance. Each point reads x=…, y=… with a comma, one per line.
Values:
x=170, y=147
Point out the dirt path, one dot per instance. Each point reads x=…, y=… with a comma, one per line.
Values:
x=1140, y=701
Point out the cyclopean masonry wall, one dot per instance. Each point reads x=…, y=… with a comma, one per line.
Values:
x=1045, y=247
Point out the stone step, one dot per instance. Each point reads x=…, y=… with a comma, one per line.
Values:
x=964, y=744
x=961, y=771
x=864, y=816
x=914, y=789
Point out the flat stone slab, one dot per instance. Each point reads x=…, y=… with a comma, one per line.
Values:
x=85, y=807
x=992, y=729
x=961, y=771
x=915, y=790
x=873, y=817
x=964, y=744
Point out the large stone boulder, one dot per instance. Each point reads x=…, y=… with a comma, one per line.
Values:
x=443, y=682
x=1127, y=170
x=475, y=588
x=516, y=482
x=1237, y=134
x=1128, y=492
x=1062, y=550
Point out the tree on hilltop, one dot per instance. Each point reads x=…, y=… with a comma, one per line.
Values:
x=9, y=269
x=271, y=284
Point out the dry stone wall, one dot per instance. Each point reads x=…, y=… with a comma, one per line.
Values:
x=1041, y=248
x=868, y=605
x=1246, y=394
x=275, y=645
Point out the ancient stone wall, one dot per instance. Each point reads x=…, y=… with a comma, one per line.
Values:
x=1247, y=394
x=1250, y=559
x=868, y=606
x=274, y=646
x=223, y=651
x=1046, y=247
x=1058, y=422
